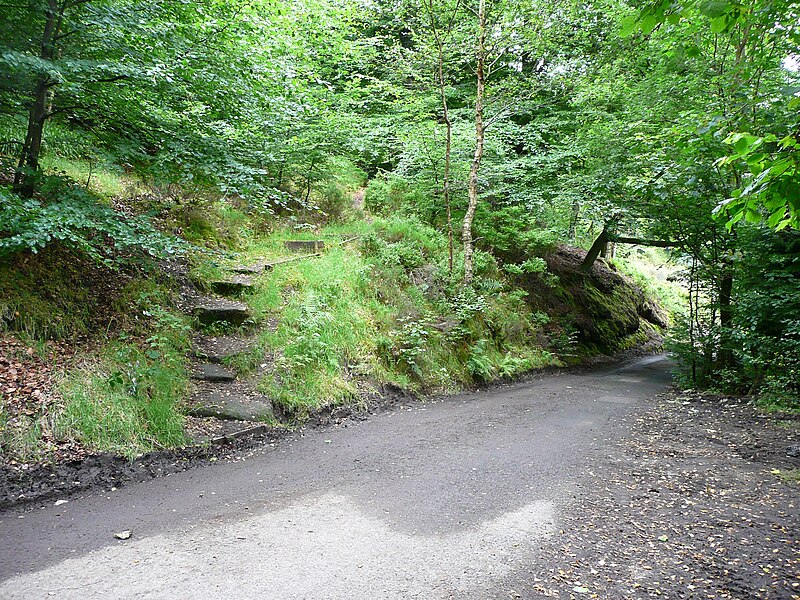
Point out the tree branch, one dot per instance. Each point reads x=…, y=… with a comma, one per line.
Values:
x=109, y=79
x=642, y=242
x=61, y=36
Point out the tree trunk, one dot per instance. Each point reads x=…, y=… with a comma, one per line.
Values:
x=726, y=317
x=25, y=176
x=597, y=248
x=308, y=180
x=573, y=221
x=466, y=234
x=447, y=159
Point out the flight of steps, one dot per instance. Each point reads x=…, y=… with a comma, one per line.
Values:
x=223, y=405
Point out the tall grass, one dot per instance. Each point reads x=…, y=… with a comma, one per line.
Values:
x=383, y=311
x=127, y=397
x=101, y=178
x=124, y=401
x=326, y=330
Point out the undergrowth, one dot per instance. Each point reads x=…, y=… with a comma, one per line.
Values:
x=58, y=294
x=123, y=393
x=126, y=397
x=350, y=321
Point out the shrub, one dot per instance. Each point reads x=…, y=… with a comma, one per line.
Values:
x=335, y=202
x=513, y=234
x=69, y=215
x=410, y=343
x=390, y=195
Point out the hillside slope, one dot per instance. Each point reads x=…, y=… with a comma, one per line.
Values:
x=127, y=361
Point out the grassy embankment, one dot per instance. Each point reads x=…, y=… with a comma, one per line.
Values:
x=380, y=309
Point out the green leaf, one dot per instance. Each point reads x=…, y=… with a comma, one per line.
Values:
x=648, y=23
x=693, y=52
x=735, y=218
x=628, y=25
x=719, y=24
x=714, y=8
x=744, y=143
x=754, y=160
x=776, y=217
x=752, y=216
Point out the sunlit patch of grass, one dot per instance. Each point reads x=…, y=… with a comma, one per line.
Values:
x=102, y=179
x=124, y=401
x=654, y=271
x=271, y=247
x=325, y=333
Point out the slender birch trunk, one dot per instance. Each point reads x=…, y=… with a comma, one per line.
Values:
x=472, y=188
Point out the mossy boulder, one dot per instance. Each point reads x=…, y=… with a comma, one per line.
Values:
x=608, y=311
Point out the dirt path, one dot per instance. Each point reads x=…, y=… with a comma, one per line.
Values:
x=460, y=498
x=359, y=199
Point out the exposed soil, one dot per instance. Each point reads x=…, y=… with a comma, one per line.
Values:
x=28, y=483
x=689, y=505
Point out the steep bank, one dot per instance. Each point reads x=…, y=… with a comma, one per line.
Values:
x=368, y=305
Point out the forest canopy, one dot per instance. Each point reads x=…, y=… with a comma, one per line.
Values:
x=511, y=126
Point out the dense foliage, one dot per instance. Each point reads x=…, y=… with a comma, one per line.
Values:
x=664, y=122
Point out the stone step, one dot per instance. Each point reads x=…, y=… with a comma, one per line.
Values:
x=219, y=310
x=304, y=245
x=212, y=372
x=254, y=269
x=218, y=431
x=236, y=401
x=232, y=286
x=217, y=349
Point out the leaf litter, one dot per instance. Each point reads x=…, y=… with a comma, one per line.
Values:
x=685, y=506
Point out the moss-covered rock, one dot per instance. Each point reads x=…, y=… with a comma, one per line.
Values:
x=607, y=311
